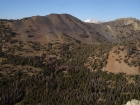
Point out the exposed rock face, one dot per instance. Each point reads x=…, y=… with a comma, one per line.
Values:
x=129, y=21
x=119, y=30
x=133, y=102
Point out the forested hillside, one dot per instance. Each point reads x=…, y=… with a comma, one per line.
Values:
x=63, y=68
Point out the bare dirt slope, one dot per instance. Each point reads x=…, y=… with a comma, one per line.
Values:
x=116, y=63
x=52, y=27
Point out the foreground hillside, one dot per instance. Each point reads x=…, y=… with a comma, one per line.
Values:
x=64, y=75
x=58, y=59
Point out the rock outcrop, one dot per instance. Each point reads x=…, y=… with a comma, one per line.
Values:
x=133, y=102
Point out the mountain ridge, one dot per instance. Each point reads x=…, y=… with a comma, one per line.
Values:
x=53, y=26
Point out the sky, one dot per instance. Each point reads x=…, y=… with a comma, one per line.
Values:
x=103, y=10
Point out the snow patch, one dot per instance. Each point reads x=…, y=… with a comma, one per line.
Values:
x=92, y=21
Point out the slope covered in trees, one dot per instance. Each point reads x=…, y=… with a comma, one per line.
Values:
x=65, y=77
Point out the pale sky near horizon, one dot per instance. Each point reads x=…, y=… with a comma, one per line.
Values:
x=103, y=10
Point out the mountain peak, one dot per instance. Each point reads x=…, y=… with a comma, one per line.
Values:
x=92, y=21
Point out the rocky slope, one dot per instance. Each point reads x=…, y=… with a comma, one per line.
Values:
x=133, y=102
x=124, y=29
